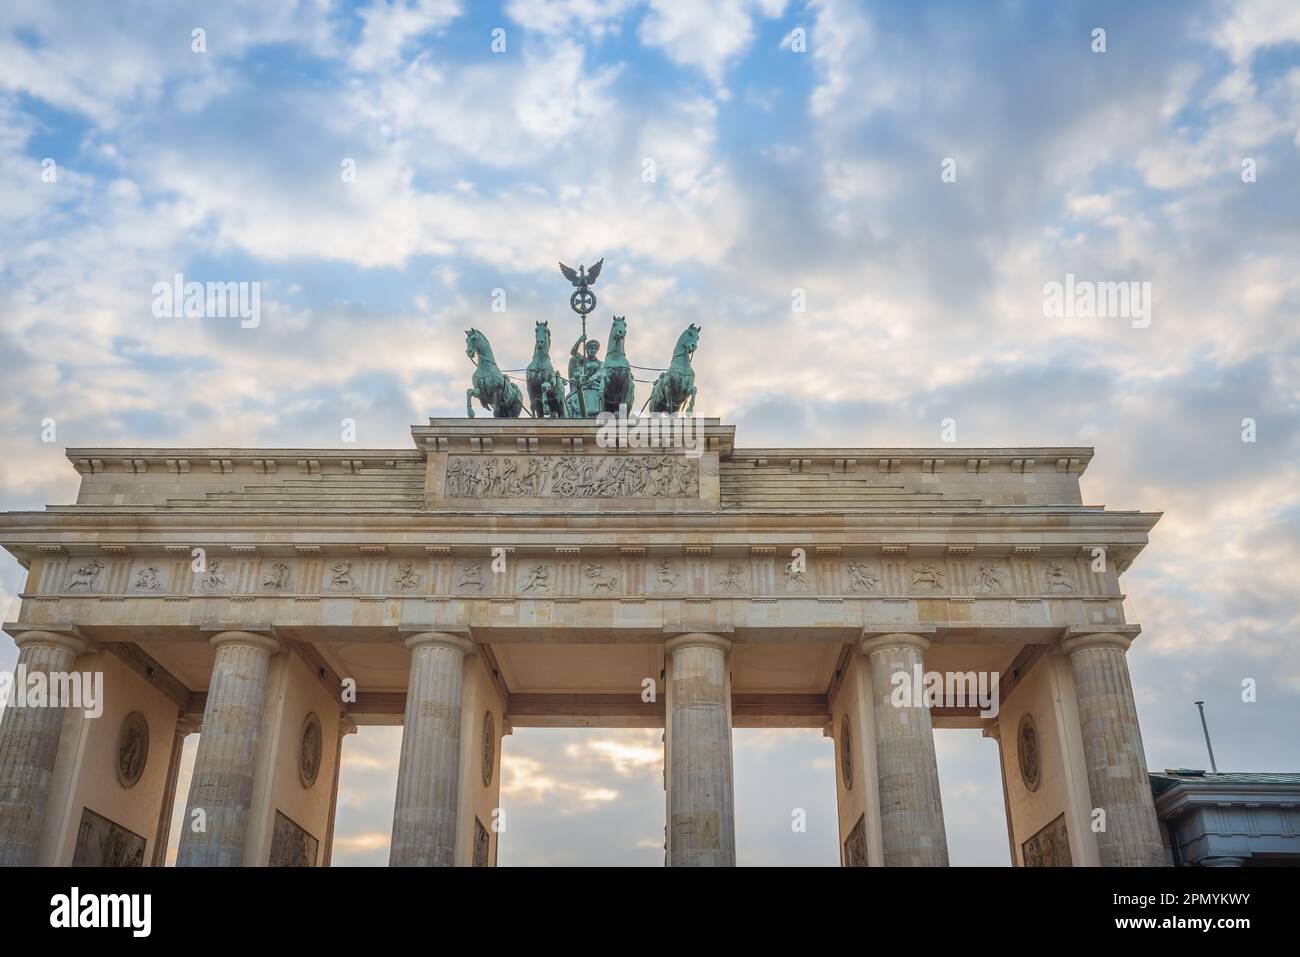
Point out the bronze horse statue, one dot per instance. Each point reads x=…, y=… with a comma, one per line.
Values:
x=545, y=385
x=677, y=384
x=491, y=387
x=616, y=374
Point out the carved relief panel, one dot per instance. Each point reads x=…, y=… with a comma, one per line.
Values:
x=291, y=845
x=105, y=843
x=572, y=476
x=1050, y=847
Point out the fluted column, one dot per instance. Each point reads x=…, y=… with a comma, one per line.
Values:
x=702, y=828
x=222, y=784
x=911, y=812
x=428, y=779
x=1112, y=745
x=29, y=744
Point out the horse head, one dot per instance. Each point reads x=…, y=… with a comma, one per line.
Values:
x=688, y=340
x=542, y=336
x=617, y=333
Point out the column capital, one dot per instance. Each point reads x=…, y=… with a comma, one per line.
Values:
x=897, y=639
x=873, y=628
x=346, y=725
x=697, y=639
x=54, y=639
x=446, y=639
x=1083, y=639
x=187, y=724
x=250, y=638
x=993, y=729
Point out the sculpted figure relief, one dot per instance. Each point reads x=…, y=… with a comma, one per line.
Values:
x=471, y=576
x=407, y=579
x=539, y=578
x=214, y=578
x=277, y=577
x=572, y=476
x=132, y=749
x=861, y=577
x=597, y=580
x=732, y=577
x=309, y=750
x=927, y=574
x=794, y=576
x=85, y=577
x=1058, y=579
x=147, y=578
x=341, y=577
x=668, y=575
x=990, y=578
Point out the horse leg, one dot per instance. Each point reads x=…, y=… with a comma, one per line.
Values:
x=471, y=394
x=690, y=406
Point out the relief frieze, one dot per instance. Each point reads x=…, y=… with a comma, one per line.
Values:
x=1003, y=591
x=572, y=476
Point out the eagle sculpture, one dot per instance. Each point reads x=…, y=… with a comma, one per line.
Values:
x=582, y=277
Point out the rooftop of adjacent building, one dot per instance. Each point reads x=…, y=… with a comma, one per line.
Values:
x=1162, y=781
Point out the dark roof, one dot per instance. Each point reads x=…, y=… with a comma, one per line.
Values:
x=1164, y=780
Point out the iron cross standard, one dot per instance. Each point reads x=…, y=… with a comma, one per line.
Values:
x=583, y=300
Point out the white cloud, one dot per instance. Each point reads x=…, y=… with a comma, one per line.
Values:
x=569, y=18
x=705, y=36
x=390, y=25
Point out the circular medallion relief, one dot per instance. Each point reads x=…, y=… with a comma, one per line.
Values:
x=489, y=747
x=132, y=749
x=1027, y=752
x=846, y=751
x=309, y=750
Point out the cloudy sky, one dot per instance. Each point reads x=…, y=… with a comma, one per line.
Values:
x=725, y=158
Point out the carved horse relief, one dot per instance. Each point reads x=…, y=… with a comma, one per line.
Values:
x=676, y=385
x=491, y=387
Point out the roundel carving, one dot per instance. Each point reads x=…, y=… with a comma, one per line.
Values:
x=309, y=750
x=132, y=749
x=1027, y=752
x=489, y=747
x=846, y=751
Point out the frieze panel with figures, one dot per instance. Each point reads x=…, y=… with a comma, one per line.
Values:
x=572, y=476
x=994, y=583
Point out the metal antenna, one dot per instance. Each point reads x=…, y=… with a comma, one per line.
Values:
x=1200, y=706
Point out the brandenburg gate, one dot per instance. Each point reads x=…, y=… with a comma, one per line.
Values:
x=515, y=572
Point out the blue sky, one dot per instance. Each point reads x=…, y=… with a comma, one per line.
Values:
x=775, y=171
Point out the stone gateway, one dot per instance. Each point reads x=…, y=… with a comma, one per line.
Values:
x=505, y=572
